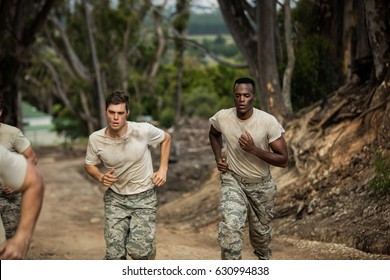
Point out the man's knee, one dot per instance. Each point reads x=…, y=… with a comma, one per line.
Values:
x=147, y=252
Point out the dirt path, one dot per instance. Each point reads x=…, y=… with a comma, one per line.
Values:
x=71, y=226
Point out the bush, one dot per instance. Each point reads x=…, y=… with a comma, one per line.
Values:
x=381, y=182
x=200, y=102
x=167, y=117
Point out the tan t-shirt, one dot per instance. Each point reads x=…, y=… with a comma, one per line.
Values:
x=129, y=156
x=13, y=139
x=264, y=129
x=13, y=168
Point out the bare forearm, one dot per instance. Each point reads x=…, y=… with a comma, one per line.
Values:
x=271, y=157
x=94, y=172
x=216, y=145
x=30, y=155
x=165, y=151
x=31, y=203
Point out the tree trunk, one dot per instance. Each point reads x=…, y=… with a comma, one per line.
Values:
x=269, y=76
x=244, y=36
x=18, y=29
x=377, y=12
x=347, y=54
x=286, y=91
x=180, y=25
x=99, y=87
x=258, y=48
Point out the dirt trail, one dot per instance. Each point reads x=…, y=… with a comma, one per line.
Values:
x=71, y=226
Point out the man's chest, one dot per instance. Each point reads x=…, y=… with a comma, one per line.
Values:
x=117, y=153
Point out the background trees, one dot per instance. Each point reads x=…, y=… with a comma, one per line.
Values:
x=332, y=40
x=86, y=48
x=19, y=27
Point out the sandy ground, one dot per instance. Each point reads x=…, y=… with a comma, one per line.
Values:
x=70, y=226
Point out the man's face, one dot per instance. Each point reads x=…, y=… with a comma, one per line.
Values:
x=243, y=99
x=116, y=116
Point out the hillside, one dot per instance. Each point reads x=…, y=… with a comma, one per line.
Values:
x=324, y=207
x=323, y=195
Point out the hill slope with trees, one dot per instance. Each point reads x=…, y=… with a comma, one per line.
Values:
x=332, y=190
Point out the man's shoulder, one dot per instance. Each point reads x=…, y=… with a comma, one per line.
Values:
x=226, y=112
x=97, y=133
x=263, y=114
x=9, y=128
x=141, y=126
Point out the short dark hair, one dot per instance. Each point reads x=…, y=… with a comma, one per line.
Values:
x=118, y=97
x=2, y=103
x=245, y=80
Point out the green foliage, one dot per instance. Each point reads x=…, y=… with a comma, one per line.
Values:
x=208, y=23
x=167, y=117
x=221, y=46
x=67, y=124
x=126, y=43
x=200, y=102
x=315, y=75
x=381, y=182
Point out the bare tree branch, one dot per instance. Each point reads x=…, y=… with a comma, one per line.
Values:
x=78, y=66
x=96, y=65
x=208, y=52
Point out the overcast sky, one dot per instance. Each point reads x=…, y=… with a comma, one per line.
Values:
x=202, y=3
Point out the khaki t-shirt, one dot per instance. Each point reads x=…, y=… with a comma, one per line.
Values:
x=264, y=129
x=13, y=168
x=129, y=156
x=13, y=139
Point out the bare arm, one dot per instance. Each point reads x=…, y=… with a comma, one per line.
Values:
x=30, y=155
x=278, y=156
x=107, y=179
x=160, y=177
x=32, y=189
x=215, y=138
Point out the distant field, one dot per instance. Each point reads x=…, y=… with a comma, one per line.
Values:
x=201, y=38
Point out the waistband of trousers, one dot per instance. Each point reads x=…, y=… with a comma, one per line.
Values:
x=135, y=195
x=246, y=180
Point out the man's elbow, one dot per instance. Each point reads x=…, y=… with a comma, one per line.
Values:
x=284, y=164
x=167, y=139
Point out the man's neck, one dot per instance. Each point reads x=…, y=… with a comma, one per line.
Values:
x=116, y=133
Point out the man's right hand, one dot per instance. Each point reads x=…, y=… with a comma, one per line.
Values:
x=6, y=190
x=109, y=178
x=222, y=165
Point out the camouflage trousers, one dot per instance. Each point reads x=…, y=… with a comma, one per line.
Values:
x=130, y=225
x=242, y=202
x=10, y=211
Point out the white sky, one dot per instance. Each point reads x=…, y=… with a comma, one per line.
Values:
x=206, y=3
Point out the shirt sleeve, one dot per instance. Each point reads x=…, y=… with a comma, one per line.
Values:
x=13, y=169
x=275, y=131
x=214, y=122
x=156, y=135
x=21, y=143
x=91, y=157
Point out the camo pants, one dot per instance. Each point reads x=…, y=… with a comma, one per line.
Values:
x=240, y=201
x=130, y=225
x=10, y=211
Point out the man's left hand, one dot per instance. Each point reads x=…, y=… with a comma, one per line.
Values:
x=246, y=142
x=159, y=178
